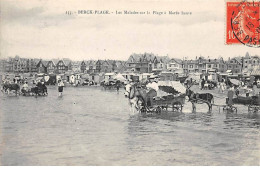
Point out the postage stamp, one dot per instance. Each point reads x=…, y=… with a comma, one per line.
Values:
x=243, y=23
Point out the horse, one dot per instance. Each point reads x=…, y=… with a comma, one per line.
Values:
x=200, y=98
x=111, y=85
x=41, y=90
x=9, y=87
x=140, y=98
x=135, y=97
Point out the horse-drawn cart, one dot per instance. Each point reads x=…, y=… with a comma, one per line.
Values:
x=166, y=96
x=157, y=104
x=110, y=85
x=253, y=103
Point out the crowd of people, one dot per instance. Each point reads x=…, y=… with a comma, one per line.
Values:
x=26, y=88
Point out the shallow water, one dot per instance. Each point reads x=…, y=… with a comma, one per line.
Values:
x=90, y=126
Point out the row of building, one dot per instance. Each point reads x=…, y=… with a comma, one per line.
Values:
x=58, y=66
x=139, y=63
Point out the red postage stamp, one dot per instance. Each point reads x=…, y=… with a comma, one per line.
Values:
x=242, y=22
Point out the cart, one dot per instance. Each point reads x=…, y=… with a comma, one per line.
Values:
x=150, y=100
x=253, y=103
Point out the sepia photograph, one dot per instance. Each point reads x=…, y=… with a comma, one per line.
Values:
x=130, y=83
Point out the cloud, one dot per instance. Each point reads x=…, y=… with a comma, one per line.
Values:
x=38, y=15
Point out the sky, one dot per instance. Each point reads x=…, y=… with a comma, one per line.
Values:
x=42, y=29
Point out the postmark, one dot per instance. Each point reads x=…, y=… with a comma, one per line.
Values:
x=243, y=23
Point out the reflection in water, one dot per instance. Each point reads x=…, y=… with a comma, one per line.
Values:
x=89, y=126
x=235, y=120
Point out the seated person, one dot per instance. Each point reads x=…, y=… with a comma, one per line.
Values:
x=39, y=84
x=25, y=87
x=237, y=91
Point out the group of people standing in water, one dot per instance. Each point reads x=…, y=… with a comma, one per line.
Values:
x=26, y=88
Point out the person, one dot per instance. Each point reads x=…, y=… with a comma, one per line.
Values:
x=25, y=87
x=258, y=82
x=247, y=92
x=202, y=84
x=117, y=86
x=222, y=87
x=188, y=83
x=39, y=84
x=60, y=87
x=44, y=88
x=230, y=95
x=236, y=91
x=254, y=88
x=206, y=85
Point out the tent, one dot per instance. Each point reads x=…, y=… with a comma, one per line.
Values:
x=194, y=77
x=119, y=77
x=235, y=81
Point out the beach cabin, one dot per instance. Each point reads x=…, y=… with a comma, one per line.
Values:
x=72, y=79
x=85, y=76
x=94, y=77
x=168, y=76
x=145, y=76
x=109, y=76
x=52, y=79
x=61, y=76
x=126, y=76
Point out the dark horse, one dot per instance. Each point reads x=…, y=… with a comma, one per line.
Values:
x=39, y=90
x=200, y=98
x=111, y=85
x=9, y=87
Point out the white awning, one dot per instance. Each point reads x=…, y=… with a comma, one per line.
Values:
x=229, y=71
x=174, y=84
x=109, y=74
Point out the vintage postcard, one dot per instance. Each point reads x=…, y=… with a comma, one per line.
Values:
x=130, y=83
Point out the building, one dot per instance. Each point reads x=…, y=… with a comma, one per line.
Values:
x=76, y=67
x=107, y=66
x=19, y=65
x=215, y=65
x=31, y=66
x=255, y=62
x=145, y=63
x=62, y=66
x=91, y=66
x=190, y=66
x=120, y=66
x=234, y=65
x=202, y=65
x=2, y=65
x=51, y=67
x=246, y=63
x=8, y=65
x=174, y=64
x=42, y=66
x=160, y=63
x=83, y=67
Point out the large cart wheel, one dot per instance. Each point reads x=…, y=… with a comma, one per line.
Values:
x=177, y=106
x=253, y=108
x=230, y=108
